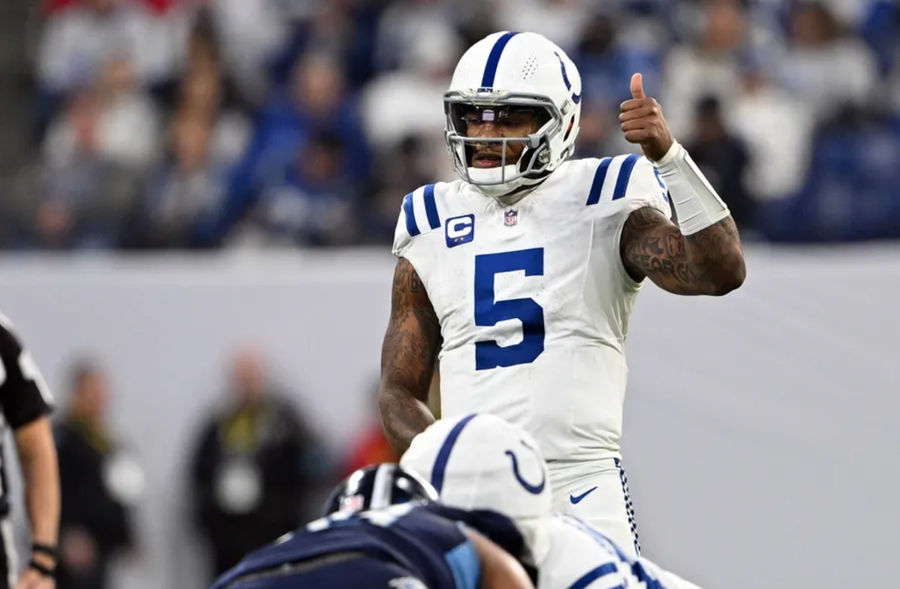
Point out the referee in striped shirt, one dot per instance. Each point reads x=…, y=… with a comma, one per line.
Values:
x=26, y=405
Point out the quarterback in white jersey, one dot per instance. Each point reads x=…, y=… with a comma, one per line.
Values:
x=481, y=462
x=520, y=276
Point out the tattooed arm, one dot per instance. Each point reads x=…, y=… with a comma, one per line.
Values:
x=408, y=355
x=708, y=262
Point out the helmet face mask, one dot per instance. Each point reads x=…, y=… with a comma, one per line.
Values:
x=461, y=110
x=505, y=74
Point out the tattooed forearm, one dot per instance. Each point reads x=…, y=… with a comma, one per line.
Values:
x=408, y=355
x=707, y=262
x=402, y=417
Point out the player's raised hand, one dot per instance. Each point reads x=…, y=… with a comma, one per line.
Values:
x=642, y=121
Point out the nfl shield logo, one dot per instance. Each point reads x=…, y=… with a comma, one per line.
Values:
x=352, y=503
x=510, y=217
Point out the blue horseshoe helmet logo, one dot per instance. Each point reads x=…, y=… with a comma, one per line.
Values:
x=533, y=489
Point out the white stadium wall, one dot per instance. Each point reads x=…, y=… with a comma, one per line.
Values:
x=762, y=429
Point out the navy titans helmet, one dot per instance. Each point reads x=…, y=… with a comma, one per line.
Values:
x=377, y=487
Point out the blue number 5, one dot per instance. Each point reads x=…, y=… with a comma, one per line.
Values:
x=490, y=312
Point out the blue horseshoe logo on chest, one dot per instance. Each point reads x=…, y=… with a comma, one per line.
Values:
x=533, y=489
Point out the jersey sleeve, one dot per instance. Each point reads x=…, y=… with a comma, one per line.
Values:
x=23, y=394
x=625, y=183
x=418, y=215
x=647, y=189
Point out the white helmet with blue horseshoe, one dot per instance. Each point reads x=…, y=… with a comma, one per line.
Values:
x=481, y=461
x=509, y=70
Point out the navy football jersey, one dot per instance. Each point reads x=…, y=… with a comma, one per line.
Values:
x=419, y=538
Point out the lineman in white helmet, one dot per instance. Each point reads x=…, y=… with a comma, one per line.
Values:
x=481, y=462
x=520, y=277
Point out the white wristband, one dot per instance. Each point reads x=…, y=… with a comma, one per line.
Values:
x=696, y=203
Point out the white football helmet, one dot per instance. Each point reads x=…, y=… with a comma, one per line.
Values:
x=481, y=461
x=514, y=70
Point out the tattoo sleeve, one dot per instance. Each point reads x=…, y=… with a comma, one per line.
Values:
x=408, y=356
x=708, y=262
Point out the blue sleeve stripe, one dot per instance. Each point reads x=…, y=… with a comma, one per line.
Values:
x=624, y=176
x=490, y=68
x=443, y=455
x=638, y=570
x=592, y=575
x=597, y=184
x=465, y=566
x=431, y=207
x=411, y=226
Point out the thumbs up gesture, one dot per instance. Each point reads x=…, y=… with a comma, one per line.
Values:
x=642, y=122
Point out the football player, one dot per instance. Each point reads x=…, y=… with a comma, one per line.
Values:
x=520, y=276
x=382, y=531
x=482, y=463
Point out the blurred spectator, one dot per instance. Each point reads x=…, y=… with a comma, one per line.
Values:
x=852, y=191
x=314, y=105
x=819, y=49
x=606, y=61
x=345, y=28
x=207, y=92
x=313, y=204
x=250, y=33
x=187, y=190
x=777, y=128
x=206, y=138
x=402, y=23
x=723, y=159
x=113, y=120
x=96, y=155
x=100, y=483
x=410, y=100
x=255, y=468
x=81, y=39
x=708, y=67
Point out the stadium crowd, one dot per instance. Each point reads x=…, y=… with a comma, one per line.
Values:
x=260, y=123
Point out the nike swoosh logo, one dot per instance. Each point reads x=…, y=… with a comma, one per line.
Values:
x=576, y=499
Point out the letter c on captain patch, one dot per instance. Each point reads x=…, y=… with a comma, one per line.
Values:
x=460, y=230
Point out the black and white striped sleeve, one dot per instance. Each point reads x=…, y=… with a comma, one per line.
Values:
x=24, y=396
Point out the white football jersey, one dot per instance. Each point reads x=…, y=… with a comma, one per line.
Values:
x=580, y=556
x=533, y=298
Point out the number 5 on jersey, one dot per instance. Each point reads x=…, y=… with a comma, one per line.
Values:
x=489, y=312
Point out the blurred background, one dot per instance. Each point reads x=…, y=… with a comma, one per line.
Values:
x=197, y=201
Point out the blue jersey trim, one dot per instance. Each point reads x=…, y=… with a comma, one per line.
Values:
x=443, y=455
x=434, y=220
x=638, y=570
x=465, y=566
x=490, y=69
x=592, y=575
x=624, y=176
x=597, y=184
x=411, y=226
